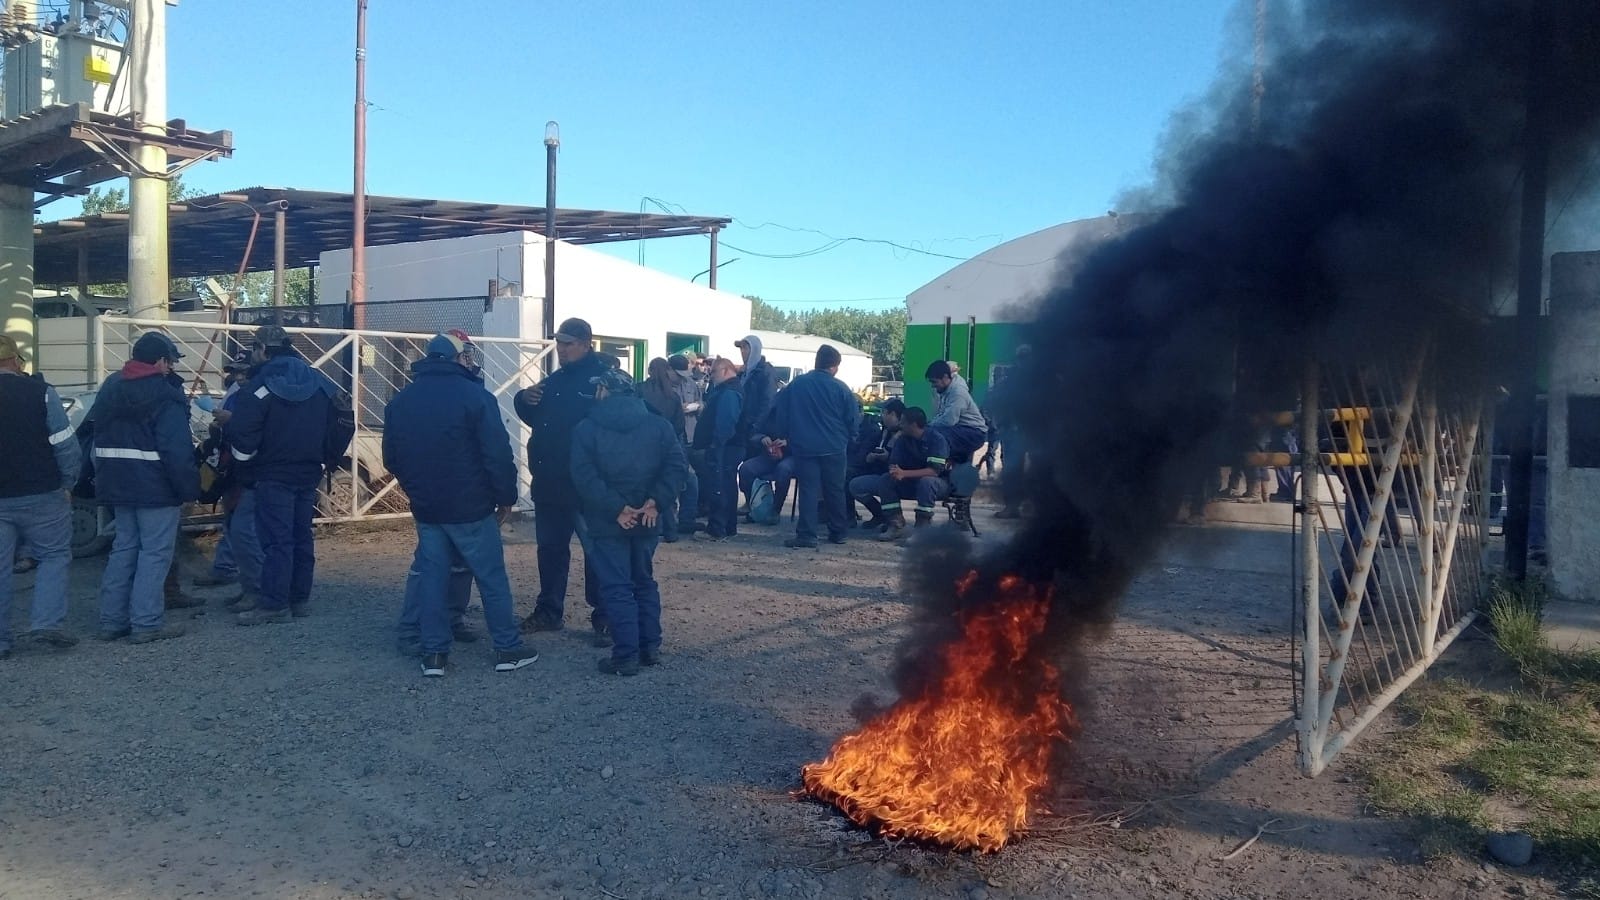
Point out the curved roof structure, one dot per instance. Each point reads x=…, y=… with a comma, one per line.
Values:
x=999, y=284
x=804, y=343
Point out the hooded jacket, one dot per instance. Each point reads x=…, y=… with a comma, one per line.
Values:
x=719, y=432
x=955, y=408
x=143, y=454
x=444, y=439
x=622, y=455
x=660, y=393
x=760, y=387
x=280, y=423
x=568, y=397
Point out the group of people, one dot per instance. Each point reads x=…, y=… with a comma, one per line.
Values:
x=619, y=466
x=282, y=425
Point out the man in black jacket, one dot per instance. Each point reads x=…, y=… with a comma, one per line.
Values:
x=280, y=436
x=759, y=385
x=817, y=415
x=551, y=409
x=628, y=467
x=443, y=439
x=720, y=444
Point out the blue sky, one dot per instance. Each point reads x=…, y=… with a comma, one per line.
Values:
x=947, y=126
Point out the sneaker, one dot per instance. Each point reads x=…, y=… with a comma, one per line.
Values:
x=464, y=633
x=512, y=660
x=649, y=657
x=612, y=666
x=795, y=543
x=537, y=622
x=180, y=600
x=246, y=602
x=265, y=616
x=113, y=634
x=52, y=638
x=300, y=610
x=602, y=636
x=166, y=632
x=211, y=580
x=433, y=664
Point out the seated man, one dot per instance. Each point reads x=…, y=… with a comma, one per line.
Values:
x=917, y=464
x=869, y=452
x=775, y=466
x=955, y=413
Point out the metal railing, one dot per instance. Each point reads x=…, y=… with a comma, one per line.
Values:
x=1382, y=592
x=373, y=366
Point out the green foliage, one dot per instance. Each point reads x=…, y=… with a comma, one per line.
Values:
x=881, y=332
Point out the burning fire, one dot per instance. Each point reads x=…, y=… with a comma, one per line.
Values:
x=959, y=763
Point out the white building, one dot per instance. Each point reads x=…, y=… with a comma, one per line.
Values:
x=636, y=313
x=796, y=354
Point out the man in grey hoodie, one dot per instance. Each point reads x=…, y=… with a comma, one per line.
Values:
x=760, y=389
x=956, y=414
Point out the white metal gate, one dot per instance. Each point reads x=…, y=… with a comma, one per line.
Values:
x=372, y=365
x=1381, y=593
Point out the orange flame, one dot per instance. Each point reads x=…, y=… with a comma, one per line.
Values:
x=960, y=763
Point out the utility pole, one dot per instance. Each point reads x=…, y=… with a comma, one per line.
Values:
x=358, y=240
x=148, y=282
x=552, y=146
x=1530, y=284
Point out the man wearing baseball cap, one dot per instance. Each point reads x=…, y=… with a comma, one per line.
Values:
x=290, y=425
x=443, y=439
x=41, y=459
x=144, y=470
x=551, y=409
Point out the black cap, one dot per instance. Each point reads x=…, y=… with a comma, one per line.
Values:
x=153, y=346
x=615, y=381
x=678, y=362
x=574, y=331
x=240, y=362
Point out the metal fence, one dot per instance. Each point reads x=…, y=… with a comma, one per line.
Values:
x=373, y=366
x=1392, y=538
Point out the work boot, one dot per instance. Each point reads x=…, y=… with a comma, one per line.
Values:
x=265, y=616
x=166, y=631
x=464, y=633
x=211, y=580
x=177, y=599
x=649, y=657
x=245, y=603
x=924, y=519
x=301, y=610
x=113, y=634
x=894, y=529
x=538, y=622
x=797, y=543
x=602, y=636
x=52, y=639
x=875, y=523
x=612, y=666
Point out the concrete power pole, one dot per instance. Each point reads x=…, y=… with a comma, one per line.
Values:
x=148, y=282
x=16, y=236
x=358, y=231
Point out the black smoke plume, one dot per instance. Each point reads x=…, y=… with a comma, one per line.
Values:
x=1373, y=201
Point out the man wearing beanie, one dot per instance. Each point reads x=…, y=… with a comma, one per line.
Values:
x=41, y=461
x=290, y=425
x=628, y=466
x=551, y=409
x=443, y=439
x=144, y=470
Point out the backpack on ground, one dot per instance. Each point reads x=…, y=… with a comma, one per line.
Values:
x=763, y=504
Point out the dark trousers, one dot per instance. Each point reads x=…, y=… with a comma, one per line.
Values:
x=1013, y=469
x=964, y=440
x=458, y=596
x=820, y=481
x=555, y=523
x=288, y=554
x=626, y=569
x=874, y=490
x=674, y=517
x=778, y=471
x=721, y=491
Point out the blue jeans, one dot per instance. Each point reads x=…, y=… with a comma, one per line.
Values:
x=554, y=525
x=778, y=471
x=288, y=553
x=222, y=563
x=131, y=592
x=822, y=475
x=458, y=594
x=44, y=521
x=477, y=544
x=875, y=490
x=964, y=440
x=687, y=507
x=239, y=533
x=626, y=568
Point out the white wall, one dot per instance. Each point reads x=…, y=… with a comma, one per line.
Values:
x=1573, y=497
x=855, y=371
x=998, y=284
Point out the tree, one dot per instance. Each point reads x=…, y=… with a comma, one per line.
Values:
x=881, y=333
x=255, y=289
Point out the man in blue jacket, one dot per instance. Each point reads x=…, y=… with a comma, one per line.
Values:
x=759, y=390
x=145, y=470
x=288, y=425
x=443, y=439
x=628, y=467
x=817, y=416
x=717, y=438
x=551, y=409
x=918, y=461
x=41, y=462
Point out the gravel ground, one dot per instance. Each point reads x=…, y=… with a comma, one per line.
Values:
x=310, y=761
